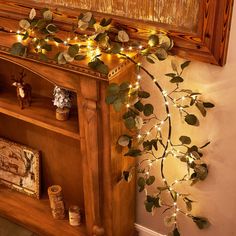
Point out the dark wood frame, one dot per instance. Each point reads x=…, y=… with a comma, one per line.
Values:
x=208, y=44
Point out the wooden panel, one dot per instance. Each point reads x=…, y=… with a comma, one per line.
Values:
x=182, y=14
x=34, y=215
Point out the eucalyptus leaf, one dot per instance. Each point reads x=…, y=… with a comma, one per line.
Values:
x=134, y=153
x=80, y=57
x=58, y=40
x=153, y=40
x=201, y=108
x=191, y=119
x=150, y=180
x=123, y=36
x=185, y=64
x=208, y=105
x=127, y=176
x=24, y=24
x=148, y=109
x=139, y=106
x=32, y=14
x=201, y=222
x=73, y=50
x=177, y=79
x=130, y=123
x=117, y=105
x=143, y=94
x=161, y=54
x=17, y=49
x=185, y=140
x=124, y=140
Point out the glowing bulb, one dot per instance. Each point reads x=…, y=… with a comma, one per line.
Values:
x=38, y=47
x=65, y=42
x=154, y=80
x=164, y=179
x=177, y=209
x=76, y=38
x=127, y=105
x=139, y=77
x=140, y=46
x=56, y=43
x=147, y=173
x=167, y=103
x=139, y=64
x=130, y=48
x=139, y=136
x=175, y=203
x=68, y=39
x=176, y=181
x=159, y=128
x=46, y=40
x=19, y=38
x=168, y=115
x=130, y=86
x=148, y=133
x=170, y=189
x=174, y=214
x=18, y=31
x=183, y=98
x=162, y=122
x=122, y=49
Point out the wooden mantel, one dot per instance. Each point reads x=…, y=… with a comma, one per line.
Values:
x=109, y=202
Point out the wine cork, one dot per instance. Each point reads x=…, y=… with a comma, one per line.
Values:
x=56, y=202
x=74, y=216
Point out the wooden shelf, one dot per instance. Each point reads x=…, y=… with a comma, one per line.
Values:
x=41, y=113
x=34, y=215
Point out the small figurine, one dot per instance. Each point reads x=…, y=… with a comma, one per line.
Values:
x=23, y=90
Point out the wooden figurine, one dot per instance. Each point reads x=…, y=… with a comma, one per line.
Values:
x=23, y=90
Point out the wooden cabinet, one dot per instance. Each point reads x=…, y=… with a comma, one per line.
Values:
x=79, y=154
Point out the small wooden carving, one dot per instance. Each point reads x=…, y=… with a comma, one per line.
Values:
x=23, y=90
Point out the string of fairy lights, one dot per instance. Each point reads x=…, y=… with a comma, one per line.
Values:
x=91, y=49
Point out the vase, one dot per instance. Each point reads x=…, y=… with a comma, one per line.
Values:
x=62, y=114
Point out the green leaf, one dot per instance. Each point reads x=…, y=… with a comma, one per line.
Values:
x=124, y=86
x=185, y=64
x=124, y=140
x=127, y=176
x=150, y=180
x=130, y=123
x=208, y=105
x=110, y=99
x=42, y=57
x=177, y=79
x=191, y=119
x=141, y=183
x=161, y=54
x=201, y=108
x=26, y=35
x=171, y=75
x=117, y=105
x=113, y=88
x=58, y=40
x=153, y=40
x=139, y=106
x=150, y=60
x=17, y=49
x=99, y=66
x=149, y=206
x=143, y=94
x=79, y=57
x=201, y=222
x=116, y=48
x=41, y=24
x=201, y=171
x=176, y=232
x=134, y=152
x=105, y=22
x=73, y=50
x=47, y=47
x=148, y=109
x=185, y=140
x=51, y=28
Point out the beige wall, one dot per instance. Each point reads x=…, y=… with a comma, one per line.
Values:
x=217, y=195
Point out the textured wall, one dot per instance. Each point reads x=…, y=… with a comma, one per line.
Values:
x=216, y=196
x=180, y=13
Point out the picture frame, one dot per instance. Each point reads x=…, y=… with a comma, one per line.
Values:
x=20, y=168
x=207, y=42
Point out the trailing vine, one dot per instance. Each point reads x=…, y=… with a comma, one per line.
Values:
x=145, y=138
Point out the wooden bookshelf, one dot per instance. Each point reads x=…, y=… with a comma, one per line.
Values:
x=35, y=215
x=41, y=113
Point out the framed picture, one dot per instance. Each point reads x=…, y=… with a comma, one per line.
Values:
x=200, y=28
x=19, y=168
